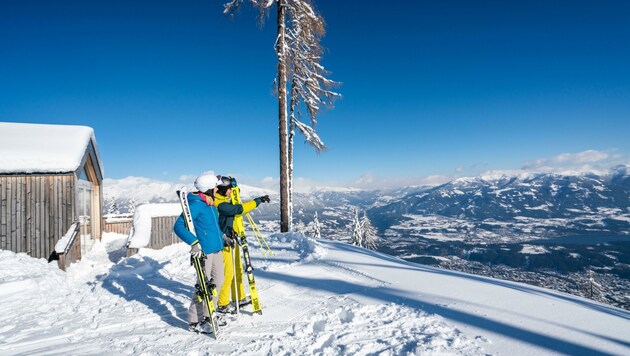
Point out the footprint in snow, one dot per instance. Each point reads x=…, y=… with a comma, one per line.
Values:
x=319, y=326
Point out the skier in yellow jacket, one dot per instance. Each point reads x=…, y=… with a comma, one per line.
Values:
x=229, y=216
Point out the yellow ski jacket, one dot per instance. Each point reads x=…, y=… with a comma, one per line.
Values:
x=227, y=211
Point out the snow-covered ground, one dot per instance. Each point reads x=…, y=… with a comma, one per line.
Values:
x=318, y=297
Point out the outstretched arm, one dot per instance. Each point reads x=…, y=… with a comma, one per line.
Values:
x=229, y=209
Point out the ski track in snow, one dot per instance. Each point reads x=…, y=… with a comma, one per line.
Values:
x=109, y=304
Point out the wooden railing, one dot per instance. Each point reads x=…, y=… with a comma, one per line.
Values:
x=72, y=250
x=118, y=223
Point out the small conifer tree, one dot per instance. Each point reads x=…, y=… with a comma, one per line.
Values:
x=357, y=229
x=370, y=235
x=316, y=229
x=132, y=206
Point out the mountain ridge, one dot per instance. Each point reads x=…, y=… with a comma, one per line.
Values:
x=532, y=205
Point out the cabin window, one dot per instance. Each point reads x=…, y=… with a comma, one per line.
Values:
x=84, y=210
x=82, y=175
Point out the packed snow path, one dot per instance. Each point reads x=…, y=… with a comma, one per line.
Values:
x=318, y=297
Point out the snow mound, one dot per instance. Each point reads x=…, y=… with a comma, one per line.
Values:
x=287, y=250
x=350, y=328
x=20, y=273
x=141, y=233
x=308, y=249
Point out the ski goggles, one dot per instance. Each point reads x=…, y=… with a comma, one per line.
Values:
x=223, y=181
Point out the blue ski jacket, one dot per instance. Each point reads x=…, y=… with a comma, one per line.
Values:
x=206, y=221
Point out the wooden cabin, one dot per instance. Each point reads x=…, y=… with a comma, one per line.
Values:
x=50, y=177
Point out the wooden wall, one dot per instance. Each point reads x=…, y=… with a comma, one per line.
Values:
x=162, y=233
x=94, y=176
x=118, y=227
x=35, y=212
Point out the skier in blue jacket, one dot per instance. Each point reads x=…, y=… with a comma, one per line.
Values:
x=208, y=242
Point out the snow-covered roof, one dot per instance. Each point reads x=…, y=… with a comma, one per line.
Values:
x=40, y=148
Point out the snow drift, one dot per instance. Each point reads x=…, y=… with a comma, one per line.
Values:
x=318, y=297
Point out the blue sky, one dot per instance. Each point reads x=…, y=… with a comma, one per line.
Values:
x=431, y=90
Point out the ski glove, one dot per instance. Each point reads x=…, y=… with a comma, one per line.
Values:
x=195, y=250
x=265, y=199
x=228, y=241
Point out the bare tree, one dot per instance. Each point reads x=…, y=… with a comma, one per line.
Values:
x=299, y=54
x=310, y=87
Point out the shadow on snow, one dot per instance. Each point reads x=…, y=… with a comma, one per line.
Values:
x=508, y=284
x=138, y=279
x=388, y=295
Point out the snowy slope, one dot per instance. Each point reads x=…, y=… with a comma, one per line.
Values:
x=319, y=297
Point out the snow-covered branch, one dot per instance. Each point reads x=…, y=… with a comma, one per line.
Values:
x=310, y=135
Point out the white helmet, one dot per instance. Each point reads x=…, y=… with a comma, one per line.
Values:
x=206, y=182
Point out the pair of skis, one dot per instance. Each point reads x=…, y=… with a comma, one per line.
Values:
x=205, y=290
x=239, y=228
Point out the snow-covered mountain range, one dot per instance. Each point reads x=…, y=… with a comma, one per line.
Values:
x=485, y=208
x=531, y=206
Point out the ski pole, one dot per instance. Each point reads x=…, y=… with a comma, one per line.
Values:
x=255, y=232
x=234, y=277
x=258, y=234
x=236, y=198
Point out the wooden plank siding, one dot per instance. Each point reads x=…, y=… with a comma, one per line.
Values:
x=97, y=191
x=35, y=212
x=118, y=227
x=3, y=217
x=162, y=234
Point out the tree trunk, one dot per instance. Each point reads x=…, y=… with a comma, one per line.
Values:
x=282, y=119
x=291, y=135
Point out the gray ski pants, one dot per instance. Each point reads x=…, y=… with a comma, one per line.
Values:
x=213, y=268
